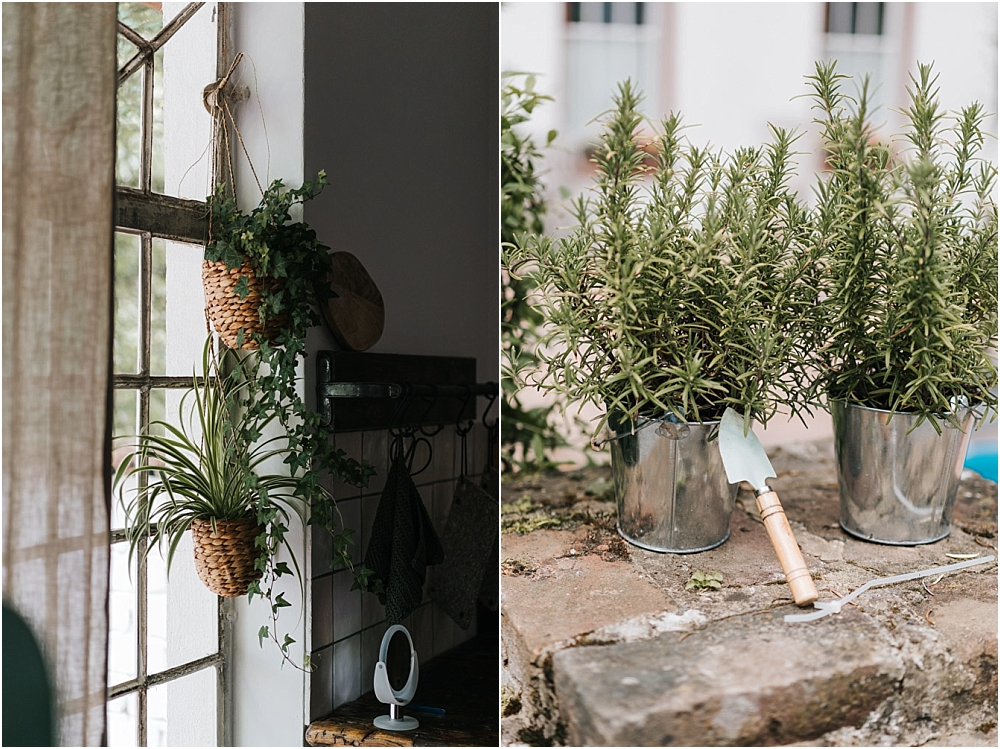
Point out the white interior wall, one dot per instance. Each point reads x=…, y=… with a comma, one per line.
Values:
x=270, y=702
x=401, y=112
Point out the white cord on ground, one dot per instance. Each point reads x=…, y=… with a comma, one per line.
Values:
x=823, y=608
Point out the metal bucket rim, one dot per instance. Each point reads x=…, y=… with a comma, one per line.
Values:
x=646, y=420
x=855, y=404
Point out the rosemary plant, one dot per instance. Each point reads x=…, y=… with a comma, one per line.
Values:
x=682, y=288
x=910, y=247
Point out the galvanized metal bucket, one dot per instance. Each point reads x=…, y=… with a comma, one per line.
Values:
x=671, y=485
x=897, y=483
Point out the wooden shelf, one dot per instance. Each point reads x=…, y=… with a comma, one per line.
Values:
x=462, y=681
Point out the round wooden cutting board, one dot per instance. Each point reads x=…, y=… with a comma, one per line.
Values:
x=356, y=316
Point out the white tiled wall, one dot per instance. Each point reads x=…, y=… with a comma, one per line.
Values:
x=347, y=626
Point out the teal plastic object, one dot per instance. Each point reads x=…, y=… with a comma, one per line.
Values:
x=982, y=458
x=28, y=709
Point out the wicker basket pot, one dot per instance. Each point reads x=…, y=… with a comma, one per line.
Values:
x=228, y=313
x=224, y=559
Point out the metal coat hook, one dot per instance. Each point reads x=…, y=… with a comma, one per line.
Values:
x=493, y=399
x=423, y=419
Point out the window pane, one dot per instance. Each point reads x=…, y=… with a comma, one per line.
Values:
x=129, y=135
x=178, y=310
x=623, y=13
x=144, y=18
x=183, y=615
x=126, y=50
x=157, y=154
x=182, y=144
x=840, y=18
x=182, y=712
x=123, y=443
x=122, y=714
x=127, y=262
x=158, y=412
x=123, y=626
x=592, y=12
x=868, y=18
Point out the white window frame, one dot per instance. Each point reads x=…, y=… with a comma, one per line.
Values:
x=148, y=215
x=886, y=48
x=595, y=41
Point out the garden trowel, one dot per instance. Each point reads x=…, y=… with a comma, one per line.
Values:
x=745, y=460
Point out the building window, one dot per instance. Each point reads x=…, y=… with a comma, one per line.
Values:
x=166, y=649
x=627, y=13
x=854, y=18
x=860, y=37
x=607, y=43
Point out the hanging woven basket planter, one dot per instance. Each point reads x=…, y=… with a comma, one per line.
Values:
x=224, y=559
x=228, y=313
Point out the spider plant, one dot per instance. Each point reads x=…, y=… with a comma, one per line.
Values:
x=203, y=467
x=198, y=469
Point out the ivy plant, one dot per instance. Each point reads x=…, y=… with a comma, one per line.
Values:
x=683, y=285
x=908, y=230
x=279, y=247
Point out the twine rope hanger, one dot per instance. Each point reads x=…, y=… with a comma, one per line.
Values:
x=217, y=105
x=216, y=101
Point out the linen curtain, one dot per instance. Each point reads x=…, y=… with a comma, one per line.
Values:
x=58, y=182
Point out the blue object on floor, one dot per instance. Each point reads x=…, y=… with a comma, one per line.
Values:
x=982, y=458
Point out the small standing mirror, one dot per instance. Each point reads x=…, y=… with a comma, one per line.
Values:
x=396, y=675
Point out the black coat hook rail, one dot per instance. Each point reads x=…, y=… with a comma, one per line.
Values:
x=357, y=391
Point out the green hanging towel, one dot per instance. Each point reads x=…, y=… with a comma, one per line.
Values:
x=403, y=543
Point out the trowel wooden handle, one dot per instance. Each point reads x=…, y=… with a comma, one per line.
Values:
x=796, y=573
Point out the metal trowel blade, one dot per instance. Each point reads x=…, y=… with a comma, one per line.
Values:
x=742, y=454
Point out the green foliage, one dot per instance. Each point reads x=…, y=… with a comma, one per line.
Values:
x=199, y=468
x=910, y=248
x=266, y=400
x=278, y=248
x=681, y=289
x=254, y=396
x=521, y=209
x=704, y=581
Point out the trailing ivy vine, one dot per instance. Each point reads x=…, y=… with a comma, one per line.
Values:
x=281, y=248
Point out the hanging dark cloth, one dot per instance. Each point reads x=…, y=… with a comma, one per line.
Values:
x=469, y=536
x=489, y=590
x=403, y=542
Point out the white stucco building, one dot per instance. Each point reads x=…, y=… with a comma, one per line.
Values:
x=730, y=68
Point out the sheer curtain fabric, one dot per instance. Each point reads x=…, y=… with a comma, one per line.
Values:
x=58, y=182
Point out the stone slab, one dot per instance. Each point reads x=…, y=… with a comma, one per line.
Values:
x=905, y=664
x=746, y=681
x=563, y=595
